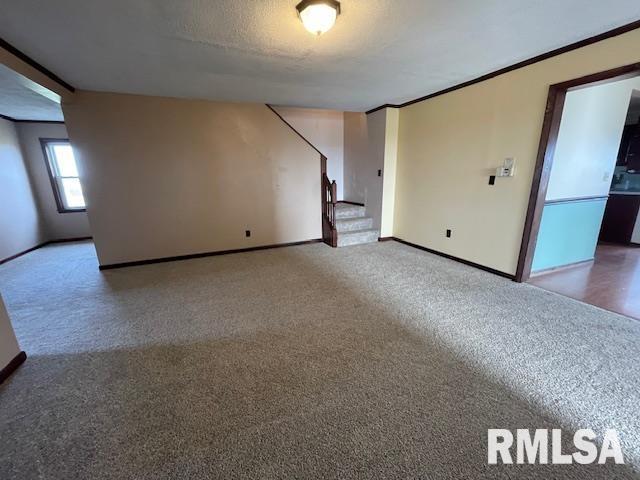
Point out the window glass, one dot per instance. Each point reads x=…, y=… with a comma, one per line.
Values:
x=72, y=192
x=64, y=160
x=64, y=175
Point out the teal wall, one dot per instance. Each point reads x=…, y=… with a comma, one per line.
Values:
x=568, y=233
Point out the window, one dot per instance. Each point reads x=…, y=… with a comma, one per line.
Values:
x=63, y=173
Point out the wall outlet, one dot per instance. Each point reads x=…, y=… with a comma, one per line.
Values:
x=247, y=233
x=379, y=173
x=492, y=179
x=448, y=233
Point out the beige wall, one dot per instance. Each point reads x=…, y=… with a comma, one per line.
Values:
x=20, y=225
x=58, y=226
x=325, y=130
x=389, y=171
x=8, y=344
x=449, y=145
x=166, y=177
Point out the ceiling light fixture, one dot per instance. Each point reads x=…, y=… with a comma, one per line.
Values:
x=318, y=16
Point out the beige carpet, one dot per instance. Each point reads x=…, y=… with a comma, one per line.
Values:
x=376, y=361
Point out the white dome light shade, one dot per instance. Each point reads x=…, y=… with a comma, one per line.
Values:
x=318, y=16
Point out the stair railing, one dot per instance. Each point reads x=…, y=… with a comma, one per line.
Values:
x=329, y=200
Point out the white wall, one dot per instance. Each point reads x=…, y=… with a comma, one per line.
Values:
x=325, y=130
x=356, y=153
x=166, y=177
x=20, y=225
x=364, y=149
x=58, y=226
x=8, y=344
x=592, y=122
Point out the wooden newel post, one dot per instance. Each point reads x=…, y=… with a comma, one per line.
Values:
x=334, y=192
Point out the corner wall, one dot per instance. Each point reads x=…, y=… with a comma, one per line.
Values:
x=9, y=348
x=389, y=171
x=58, y=226
x=450, y=144
x=166, y=177
x=20, y=225
x=364, y=151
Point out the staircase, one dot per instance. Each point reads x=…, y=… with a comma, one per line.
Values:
x=343, y=224
x=354, y=227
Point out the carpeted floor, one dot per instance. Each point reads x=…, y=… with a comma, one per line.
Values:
x=369, y=362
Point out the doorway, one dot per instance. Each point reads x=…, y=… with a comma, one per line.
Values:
x=585, y=183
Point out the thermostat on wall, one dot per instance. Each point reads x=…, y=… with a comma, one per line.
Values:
x=507, y=169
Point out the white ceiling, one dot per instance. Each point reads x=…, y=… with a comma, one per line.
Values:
x=22, y=99
x=257, y=50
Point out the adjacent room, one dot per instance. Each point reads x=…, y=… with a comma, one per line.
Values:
x=587, y=240
x=319, y=239
x=42, y=199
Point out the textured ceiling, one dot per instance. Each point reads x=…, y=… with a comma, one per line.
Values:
x=257, y=50
x=22, y=99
